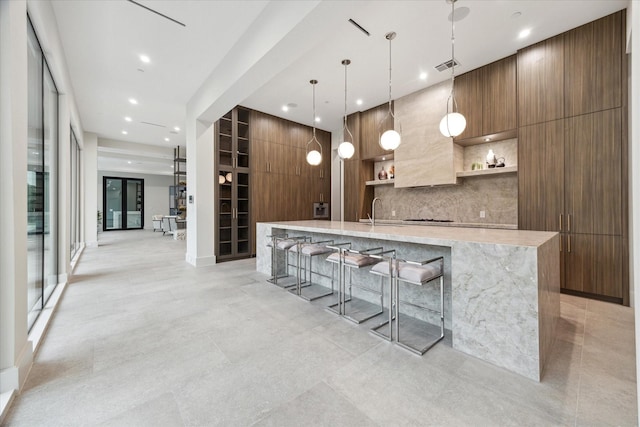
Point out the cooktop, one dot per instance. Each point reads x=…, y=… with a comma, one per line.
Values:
x=429, y=220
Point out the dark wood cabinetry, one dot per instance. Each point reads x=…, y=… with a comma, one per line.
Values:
x=499, y=96
x=233, y=198
x=541, y=82
x=284, y=184
x=487, y=98
x=593, y=66
x=572, y=153
x=369, y=130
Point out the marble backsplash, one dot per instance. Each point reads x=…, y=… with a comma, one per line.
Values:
x=497, y=195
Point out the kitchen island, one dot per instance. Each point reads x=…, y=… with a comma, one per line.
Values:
x=502, y=287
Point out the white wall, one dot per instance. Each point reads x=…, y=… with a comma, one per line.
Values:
x=156, y=193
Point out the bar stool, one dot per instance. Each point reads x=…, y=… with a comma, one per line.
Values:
x=347, y=258
x=415, y=273
x=282, y=242
x=306, y=251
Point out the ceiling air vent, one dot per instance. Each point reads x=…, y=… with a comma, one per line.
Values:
x=447, y=65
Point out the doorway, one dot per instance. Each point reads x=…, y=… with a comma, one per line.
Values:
x=123, y=203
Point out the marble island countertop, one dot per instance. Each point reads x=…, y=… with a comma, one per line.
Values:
x=410, y=232
x=501, y=286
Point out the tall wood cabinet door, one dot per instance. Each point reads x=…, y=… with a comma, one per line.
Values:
x=579, y=262
x=593, y=66
x=468, y=91
x=351, y=190
x=541, y=82
x=580, y=172
x=594, y=264
x=499, y=96
x=540, y=176
x=607, y=278
x=607, y=168
x=259, y=155
x=593, y=178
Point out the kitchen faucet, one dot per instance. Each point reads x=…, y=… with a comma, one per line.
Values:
x=373, y=210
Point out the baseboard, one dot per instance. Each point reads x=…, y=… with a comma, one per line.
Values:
x=6, y=399
x=93, y=244
x=204, y=261
x=41, y=325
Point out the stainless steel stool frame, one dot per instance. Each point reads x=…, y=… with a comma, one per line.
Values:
x=274, y=260
x=342, y=283
x=392, y=302
x=395, y=305
x=298, y=289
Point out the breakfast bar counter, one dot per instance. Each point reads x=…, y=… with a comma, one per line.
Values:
x=502, y=286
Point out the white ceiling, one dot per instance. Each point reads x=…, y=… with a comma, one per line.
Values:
x=103, y=40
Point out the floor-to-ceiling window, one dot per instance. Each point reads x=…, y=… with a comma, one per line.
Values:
x=74, y=195
x=42, y=180
x=123, y=202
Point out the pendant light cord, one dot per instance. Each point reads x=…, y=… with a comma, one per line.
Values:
x=313, y=85
x=346, y=63
x=454, y=105
x=390, y=112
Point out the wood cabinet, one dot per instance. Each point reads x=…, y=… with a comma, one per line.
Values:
x=570, y=180
x=487, y=98
x=541, y=176
x=593, y=65
x=284, y=184
x=593, y=173
x=499, y=96
x=232, y=209
x=541, y=82
x=468, y=93
x=369, y=130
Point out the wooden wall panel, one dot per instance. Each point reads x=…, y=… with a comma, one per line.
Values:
x=468, y=93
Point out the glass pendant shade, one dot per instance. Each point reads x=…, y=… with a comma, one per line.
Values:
x=314, y=157
x=453, y=124
x=346, y=150
x=390, y=140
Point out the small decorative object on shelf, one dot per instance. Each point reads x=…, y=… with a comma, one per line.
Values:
x=491, y=159
x=382, y=174
x=392, y=172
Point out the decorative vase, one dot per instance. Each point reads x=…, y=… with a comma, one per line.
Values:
x=382, y=174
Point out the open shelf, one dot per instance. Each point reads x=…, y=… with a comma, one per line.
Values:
x=483, y=172
x=381, y=182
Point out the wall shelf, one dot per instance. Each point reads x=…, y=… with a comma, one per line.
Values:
x=492, y=171
x=381, y=182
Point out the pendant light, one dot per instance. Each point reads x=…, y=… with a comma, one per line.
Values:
x=346, y=148
x=453, y=123
x=389, y=138
x=314, y=157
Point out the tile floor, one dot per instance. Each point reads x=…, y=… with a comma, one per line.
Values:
x=143, y=339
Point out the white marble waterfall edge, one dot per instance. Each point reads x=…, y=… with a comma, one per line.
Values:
x=505, y=284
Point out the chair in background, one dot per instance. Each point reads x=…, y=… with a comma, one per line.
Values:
x=157, y=223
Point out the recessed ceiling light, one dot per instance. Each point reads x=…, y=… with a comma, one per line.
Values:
x=129, y=162
x=524, y=33
x=127, y=119
x=167, y=139
x=359, y=101
x=317, y=119
x=171, y=166
x=285, y=108
x=176, y=128
x=516, y=15
x=423, y=76
x=124, y=132
x=145, y=59
x=133, y=101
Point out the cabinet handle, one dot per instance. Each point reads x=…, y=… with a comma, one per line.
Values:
x=569, y=223
x=560, y=224
x=561, y=243
x=569, y=243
